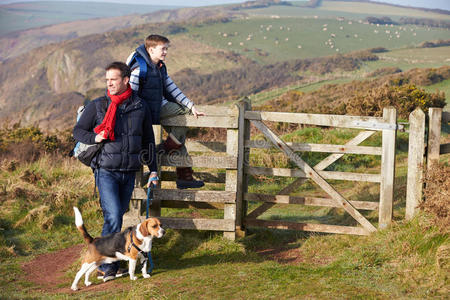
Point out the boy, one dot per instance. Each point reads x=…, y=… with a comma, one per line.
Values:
x=164, y=98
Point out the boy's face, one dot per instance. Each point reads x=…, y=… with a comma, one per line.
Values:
x=158, y=52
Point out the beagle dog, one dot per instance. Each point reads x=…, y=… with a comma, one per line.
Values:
x=132, y=243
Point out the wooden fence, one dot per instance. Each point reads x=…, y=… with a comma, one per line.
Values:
x=419, y=148
x=234, y=159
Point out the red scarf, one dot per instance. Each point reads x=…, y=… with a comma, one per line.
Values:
x=110, y=118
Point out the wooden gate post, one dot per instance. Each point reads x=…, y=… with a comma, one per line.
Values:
x=434, y=136
x=387, y=168
x=416, y=153
x=243, y=160
x=231, y=181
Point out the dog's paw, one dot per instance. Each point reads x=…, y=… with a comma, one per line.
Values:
x=87, y=283
x=133, y=277
x=74, y=288
x=146, y=275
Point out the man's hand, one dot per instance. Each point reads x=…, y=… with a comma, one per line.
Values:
x=100, y=137
x=152, y=176
x=197, y=113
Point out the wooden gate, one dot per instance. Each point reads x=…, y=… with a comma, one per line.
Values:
x=212, y=156
x=387, y=124
x=234, y=157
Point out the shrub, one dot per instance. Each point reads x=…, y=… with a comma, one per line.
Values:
x=368, y=97
x=27, y=144
x=405, y=98
x=437, y=195
x=384, y=71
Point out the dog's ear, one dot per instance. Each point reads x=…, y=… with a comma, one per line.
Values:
x=143, y=228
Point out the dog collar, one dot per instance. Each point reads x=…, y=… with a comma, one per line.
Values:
x=132, y=244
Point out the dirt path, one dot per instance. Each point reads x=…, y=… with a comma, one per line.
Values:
x=48, y=272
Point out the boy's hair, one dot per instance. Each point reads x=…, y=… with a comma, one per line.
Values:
x=124, y=69
x=154, y=40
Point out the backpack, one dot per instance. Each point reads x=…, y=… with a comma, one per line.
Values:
x=135, y=61
x=84, y=152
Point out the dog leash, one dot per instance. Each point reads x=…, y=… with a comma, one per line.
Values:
x=149, y=202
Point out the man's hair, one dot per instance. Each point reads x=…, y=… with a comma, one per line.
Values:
x=154, y=40
x=124, y=69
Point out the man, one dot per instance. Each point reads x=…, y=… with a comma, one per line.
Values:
x=165, y=99
x=122, y=121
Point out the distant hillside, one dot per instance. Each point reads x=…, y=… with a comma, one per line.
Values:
x=16, y=43
x=369, y=96
x=32, y=83
x=27, y=15
x=217, y=54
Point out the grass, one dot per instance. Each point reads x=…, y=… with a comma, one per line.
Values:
x=280, y=39
x=399, y=262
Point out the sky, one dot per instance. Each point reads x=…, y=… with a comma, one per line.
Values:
x=442, y=4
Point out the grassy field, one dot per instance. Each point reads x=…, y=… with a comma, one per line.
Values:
x=408, y=260
x=399, y=262
x=271, y=40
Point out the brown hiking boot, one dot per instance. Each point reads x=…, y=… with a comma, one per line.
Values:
x=185, y=180
x=170, y=144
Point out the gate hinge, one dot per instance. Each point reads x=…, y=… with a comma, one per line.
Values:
x=377, y=125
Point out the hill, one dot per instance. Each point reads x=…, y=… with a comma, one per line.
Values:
x=26, y=15
x=19, y=42
x=217, y=54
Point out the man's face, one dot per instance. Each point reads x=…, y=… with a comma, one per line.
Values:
x=159, y=52
x=115, y=83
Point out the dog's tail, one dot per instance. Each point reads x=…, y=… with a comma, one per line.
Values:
x=80, y=226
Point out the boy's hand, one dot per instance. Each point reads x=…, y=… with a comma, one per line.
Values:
x=197, y=113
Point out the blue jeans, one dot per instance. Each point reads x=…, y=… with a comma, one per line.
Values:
x=115, y=189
